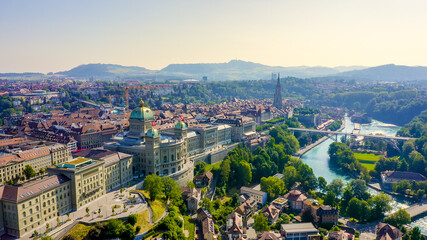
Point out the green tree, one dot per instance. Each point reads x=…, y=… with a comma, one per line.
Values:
x=354, y=208
x=245, y=173
x=154, y=185
x=336, y=186
x=283, y=219
x=380, y=205
x=398, y=218
x=29, y=172
x=420, y=194
x=199, y=168
x=359, y=189
x=273, y=186
x=365, y=211
x=172, y=191
x=132, y=219
x=415, y=234
x=191, y=184
x=207, y=204
x=261, y=223
x=322, y=184
x=330, y=199
x=290, y=176
x=87, y=210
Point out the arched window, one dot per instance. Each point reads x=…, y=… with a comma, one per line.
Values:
x=173, y=170
x=172, y=158
x=165, y=159
x=165, y=172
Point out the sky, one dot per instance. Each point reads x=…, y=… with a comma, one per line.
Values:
x=50, y=36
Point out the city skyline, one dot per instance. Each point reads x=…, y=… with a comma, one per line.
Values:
x=55, y=36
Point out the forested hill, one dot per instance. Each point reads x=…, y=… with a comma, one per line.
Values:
x=388, y=72
x=240, y=70
x=104, y=70
x=416, y=128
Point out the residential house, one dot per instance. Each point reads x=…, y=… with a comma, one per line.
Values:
x=192, y=196
x=271, y=213
x=385, y=231
x=296, y=199
x=280, y=203
x=340, y=235
x=203, y=180
x=268, y=236
x=259, y=196
x=235, y=228
x=208, y=229
x=327, y=214
x=247, y=208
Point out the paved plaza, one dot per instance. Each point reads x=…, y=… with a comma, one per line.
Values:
x=105, y=203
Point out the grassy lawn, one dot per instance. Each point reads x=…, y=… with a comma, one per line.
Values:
x=143, y=221
x=189, y=225
x=158, y=206
x=369, y=166
x=224, y=199
x=79, y=231
x=367, y=160
x=367, y=157
x=210, y=167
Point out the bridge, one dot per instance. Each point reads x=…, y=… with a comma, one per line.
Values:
x=417, y=209
x=354, y=133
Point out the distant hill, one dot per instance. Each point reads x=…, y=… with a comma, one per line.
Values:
x=388, y=73
x=24, y=75
x=238, y=70
x=104, y=70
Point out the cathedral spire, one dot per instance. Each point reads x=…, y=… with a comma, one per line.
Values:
x=278, y=94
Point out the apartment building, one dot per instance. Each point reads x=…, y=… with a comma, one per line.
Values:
x=29, y=205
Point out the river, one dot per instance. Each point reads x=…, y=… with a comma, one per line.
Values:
x=318, y=159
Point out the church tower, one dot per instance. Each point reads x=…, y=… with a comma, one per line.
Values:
x=278, y=94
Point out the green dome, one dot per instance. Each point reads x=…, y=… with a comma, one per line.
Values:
x=180, y=125
x=141, y=112
x=152, y=133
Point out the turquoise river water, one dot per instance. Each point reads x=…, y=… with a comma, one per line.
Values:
x=318, y=159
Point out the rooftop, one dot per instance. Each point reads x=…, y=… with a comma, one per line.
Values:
x=299, y=227
x=22, y=192
x=77, y=163
x=251, y=190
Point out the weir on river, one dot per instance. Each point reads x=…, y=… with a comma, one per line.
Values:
x=318, y=159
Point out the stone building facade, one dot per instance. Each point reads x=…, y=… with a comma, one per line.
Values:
x=167, y=153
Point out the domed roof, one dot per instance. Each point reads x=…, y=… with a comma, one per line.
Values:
x=180, y=125
x=152, y=133
x=141, y=112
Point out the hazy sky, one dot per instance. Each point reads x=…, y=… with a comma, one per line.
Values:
x=57, y=35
